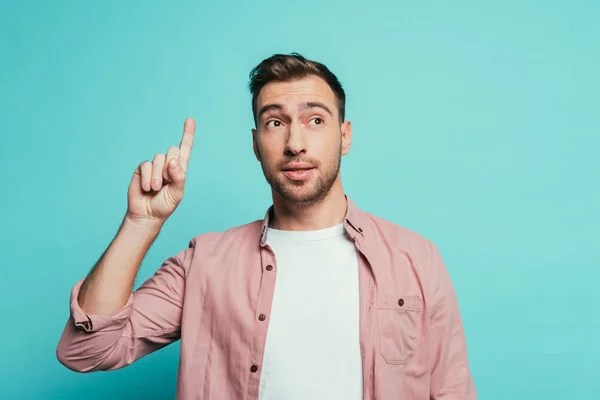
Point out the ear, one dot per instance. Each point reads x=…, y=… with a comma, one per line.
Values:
x=346, y=137
x=255, y=145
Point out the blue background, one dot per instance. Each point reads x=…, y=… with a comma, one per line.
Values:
x=475, y=124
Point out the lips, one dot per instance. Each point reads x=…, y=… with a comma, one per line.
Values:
x=298, y=171
x=298, y=167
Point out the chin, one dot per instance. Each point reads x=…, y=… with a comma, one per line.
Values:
x=300, y=195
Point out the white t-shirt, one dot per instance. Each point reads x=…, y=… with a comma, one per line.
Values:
x=312, y=349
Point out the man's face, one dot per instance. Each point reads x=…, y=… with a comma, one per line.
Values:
x=299, y=139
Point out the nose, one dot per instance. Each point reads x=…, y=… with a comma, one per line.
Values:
x=296, y=143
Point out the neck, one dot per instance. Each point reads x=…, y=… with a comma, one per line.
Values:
x=330, y=211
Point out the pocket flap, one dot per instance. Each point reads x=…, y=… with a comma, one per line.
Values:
x=400, y=302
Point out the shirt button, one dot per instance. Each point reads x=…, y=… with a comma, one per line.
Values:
x=262, y=317
x=401, y=302
x=269, y=268
x=253, y=368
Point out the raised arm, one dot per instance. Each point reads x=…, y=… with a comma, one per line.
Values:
x=109, y=326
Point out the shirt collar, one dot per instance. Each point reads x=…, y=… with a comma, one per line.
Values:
x=352, y=222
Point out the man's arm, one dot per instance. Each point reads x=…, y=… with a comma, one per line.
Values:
x=111, y=327
x=450, y=375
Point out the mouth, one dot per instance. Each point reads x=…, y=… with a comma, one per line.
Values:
x=298, y=173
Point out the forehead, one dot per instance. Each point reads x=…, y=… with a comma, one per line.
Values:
x=312, y=88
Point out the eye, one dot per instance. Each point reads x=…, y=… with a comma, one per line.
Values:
x=273, y=123
x=317, y=121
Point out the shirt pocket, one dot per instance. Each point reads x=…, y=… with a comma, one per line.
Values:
x=399, y=321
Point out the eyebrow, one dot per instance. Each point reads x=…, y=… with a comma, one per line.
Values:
x=269, y=107
x=303, y=106
x=314, y=104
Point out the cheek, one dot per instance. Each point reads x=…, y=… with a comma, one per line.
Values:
x=269, y=150
x=330, y=143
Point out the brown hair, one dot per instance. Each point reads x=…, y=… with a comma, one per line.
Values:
x=289, y=67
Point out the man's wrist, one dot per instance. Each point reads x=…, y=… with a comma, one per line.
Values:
x=141, y=226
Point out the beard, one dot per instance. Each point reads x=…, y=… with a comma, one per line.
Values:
x=304, y=193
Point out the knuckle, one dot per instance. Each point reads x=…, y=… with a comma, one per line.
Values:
x=144, y=167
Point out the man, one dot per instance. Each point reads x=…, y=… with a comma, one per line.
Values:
x=319, y=300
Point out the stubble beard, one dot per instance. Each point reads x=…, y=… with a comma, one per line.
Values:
x=304, y=193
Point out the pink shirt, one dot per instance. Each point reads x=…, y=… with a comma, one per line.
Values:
x=216, y=297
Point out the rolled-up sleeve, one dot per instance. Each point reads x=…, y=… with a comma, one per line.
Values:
x=150, y=320
x=451, y=378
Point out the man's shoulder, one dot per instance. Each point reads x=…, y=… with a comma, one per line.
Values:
x=394, y=233
x=385, y=236
x=240, y=232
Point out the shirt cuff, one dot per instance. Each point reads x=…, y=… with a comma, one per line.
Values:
x=94, y=323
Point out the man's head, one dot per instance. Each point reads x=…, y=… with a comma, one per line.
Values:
x=300, y=134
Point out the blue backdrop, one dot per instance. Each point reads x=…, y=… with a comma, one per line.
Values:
x=475, y=124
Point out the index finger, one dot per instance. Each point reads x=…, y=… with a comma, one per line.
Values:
x=187, y=141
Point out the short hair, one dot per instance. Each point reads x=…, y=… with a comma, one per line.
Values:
x=290, y=67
